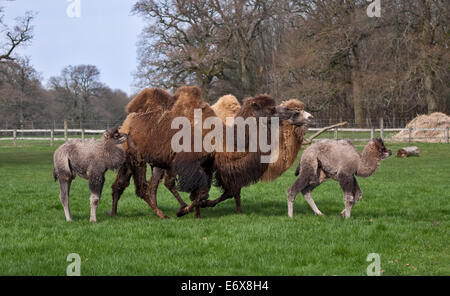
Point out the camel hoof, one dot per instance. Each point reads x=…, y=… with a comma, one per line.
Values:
x=164, y=217
x=181, y=212
x=110, y=214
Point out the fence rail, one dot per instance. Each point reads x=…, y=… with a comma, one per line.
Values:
x=19, y=134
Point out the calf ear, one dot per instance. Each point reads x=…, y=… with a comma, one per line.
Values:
x=106, y=135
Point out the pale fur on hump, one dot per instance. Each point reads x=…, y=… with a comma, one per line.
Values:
x=226, y=106
x=291, y=138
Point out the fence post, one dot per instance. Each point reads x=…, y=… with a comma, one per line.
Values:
x=381, y=128
x=15, y=137
x=82, y=133
x=335, y=133
x=65, y=130
x=52, y=136
x=410, y=135
x=372, y=133
x=447, y=134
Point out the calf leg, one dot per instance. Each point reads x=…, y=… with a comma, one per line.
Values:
x=298, y=186
x=64, y=196
x=347, y=185
x=95, y=185
x=307, y=193
x=120, y=184
x=357, y=195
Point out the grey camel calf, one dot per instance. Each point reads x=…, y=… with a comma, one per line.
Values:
x=340, y=161
x=89, y=159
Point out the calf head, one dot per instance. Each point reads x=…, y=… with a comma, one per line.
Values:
x=114, y=137
x=383, y=152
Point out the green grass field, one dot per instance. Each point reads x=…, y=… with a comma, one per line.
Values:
x=403, y=216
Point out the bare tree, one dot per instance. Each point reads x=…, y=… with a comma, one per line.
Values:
x=77, y=85
x=205, y=42
x=19, y=35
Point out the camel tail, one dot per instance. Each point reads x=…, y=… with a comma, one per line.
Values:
x=297, y=171
x=190, y=175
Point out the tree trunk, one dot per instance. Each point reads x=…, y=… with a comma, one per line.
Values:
x=429, y=96
x=358, y=104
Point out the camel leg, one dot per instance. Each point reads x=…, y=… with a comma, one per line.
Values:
x=64, y=196
x=198, y=197
x=153, y=184
x=356, y=192
x=120, y=184
x=169, y=182
x=357, y=195
x=298, y=186
x=347, y=185
x=147, y=190
x=237, y=200
x=213, y=203
x=96, y=186
x=307, y=193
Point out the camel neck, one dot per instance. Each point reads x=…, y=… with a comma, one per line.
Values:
x=368, y=163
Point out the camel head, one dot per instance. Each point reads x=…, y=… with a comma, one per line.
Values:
x=114, y=137
x=294, y=113
x=259, y=106
x=382, y=151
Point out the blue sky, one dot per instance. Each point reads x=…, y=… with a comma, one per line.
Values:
x=104, y=35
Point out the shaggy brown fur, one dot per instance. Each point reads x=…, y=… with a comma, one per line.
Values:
x=340, y=161
x=149, y=141
x=150, y=99
x=235, y=170
x=291, y=138
x=89, y=159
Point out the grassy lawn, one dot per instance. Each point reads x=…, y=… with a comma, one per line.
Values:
x=403, y=216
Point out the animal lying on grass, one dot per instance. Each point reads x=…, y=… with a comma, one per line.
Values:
x=340, y=161
x=89, y=159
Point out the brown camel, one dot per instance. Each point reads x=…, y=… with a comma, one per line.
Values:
x=193, y=169
x=291, y=135
x=149, y=141
x=235, y=170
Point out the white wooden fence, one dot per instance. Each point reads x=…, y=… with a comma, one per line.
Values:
x=19, y=134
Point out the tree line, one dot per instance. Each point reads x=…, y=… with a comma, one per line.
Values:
x=76, y=95
x=328, y=53
x=342, y=63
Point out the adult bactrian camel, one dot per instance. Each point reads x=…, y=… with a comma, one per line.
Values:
x=149, y=139
x=234, y=171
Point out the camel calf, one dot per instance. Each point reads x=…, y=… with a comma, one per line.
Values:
x=89, y=159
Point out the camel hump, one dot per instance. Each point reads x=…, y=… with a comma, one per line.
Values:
x=149, y=99
x=293, y=104
x=187, y=99
x=192, y=94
